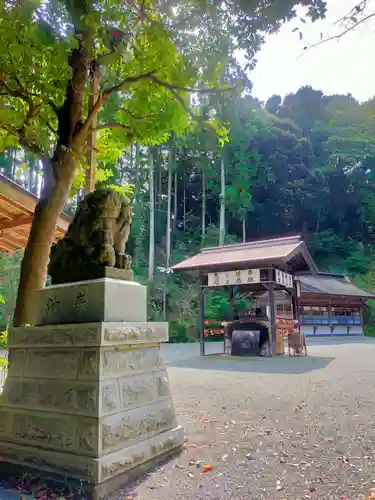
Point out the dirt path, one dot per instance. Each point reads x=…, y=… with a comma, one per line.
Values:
x=281, y=429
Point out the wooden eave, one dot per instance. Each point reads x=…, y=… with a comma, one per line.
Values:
x=16, y=212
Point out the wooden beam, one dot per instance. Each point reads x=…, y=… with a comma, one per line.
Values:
x=4, y=200
x=17, y=195
x=18, y=241
x=19, y=221
x=9, y=246
x=3, y=247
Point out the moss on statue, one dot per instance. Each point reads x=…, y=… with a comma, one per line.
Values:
x=96, y=238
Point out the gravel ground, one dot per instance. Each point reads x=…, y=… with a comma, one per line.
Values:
x=282, y=429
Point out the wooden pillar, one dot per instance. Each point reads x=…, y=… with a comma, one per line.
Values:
x=295, y=305
x=91, y=140
x=201, y=318
x=231, y=303
x=330, y=318
x=361, y=317
x=272, y=305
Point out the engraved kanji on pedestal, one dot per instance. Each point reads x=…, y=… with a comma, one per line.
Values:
x=88, y=400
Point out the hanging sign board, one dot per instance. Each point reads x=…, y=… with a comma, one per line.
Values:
x=241, y=277
x=284, y=279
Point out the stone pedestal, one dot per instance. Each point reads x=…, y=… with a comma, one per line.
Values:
x=89, y=400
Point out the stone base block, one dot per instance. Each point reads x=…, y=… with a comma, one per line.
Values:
x=92, y=301
x=97, y=477
x=87, y=394
x=93, y=470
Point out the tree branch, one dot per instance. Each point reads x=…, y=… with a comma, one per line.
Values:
x=105, y=94
x=84, y=131
x=137, y=117
x=180, y=88
x=110, y=126
x=183, y=104
x=129, y=81
x=151, y=76
x=14, y=93
x=340, y=35
x=32, y=147
x=26, y=98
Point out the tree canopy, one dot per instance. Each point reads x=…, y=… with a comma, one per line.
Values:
x=286, y=172
x=149, y=57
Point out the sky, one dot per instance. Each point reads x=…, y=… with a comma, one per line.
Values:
x=335, y=67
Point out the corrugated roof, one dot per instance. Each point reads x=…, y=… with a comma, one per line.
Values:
x=331, y=285
x=278, y=250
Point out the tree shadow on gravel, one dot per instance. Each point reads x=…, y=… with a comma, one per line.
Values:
x=288, y=365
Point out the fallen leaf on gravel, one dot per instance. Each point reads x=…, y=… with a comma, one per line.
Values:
x=278, y=485
x=205, y=420
x=207, y=468
x=224, y=457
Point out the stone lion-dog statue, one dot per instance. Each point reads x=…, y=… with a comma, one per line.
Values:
x=96, y=237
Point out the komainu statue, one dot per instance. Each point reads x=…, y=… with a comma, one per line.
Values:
x=95, y=238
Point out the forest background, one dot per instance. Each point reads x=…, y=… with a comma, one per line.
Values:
x=303, y=165
x=179, y=131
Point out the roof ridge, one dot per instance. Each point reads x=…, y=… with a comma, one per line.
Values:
x=255, y=244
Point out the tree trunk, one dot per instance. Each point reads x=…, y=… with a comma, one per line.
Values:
x=243, y=230
x=184, y=205
x=30, y=163
x=14, y=163
x=203, y=206
x=168, y=231
x=36, y=255
x=169, y=210
x=175, y=208
x=137, y=205
x=222, y=203
x=58, y=178
x=151, y=253
x=159, y=185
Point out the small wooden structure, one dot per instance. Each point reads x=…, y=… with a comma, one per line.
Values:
x=16, y=212
x=329, y=305
x=251, y=267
